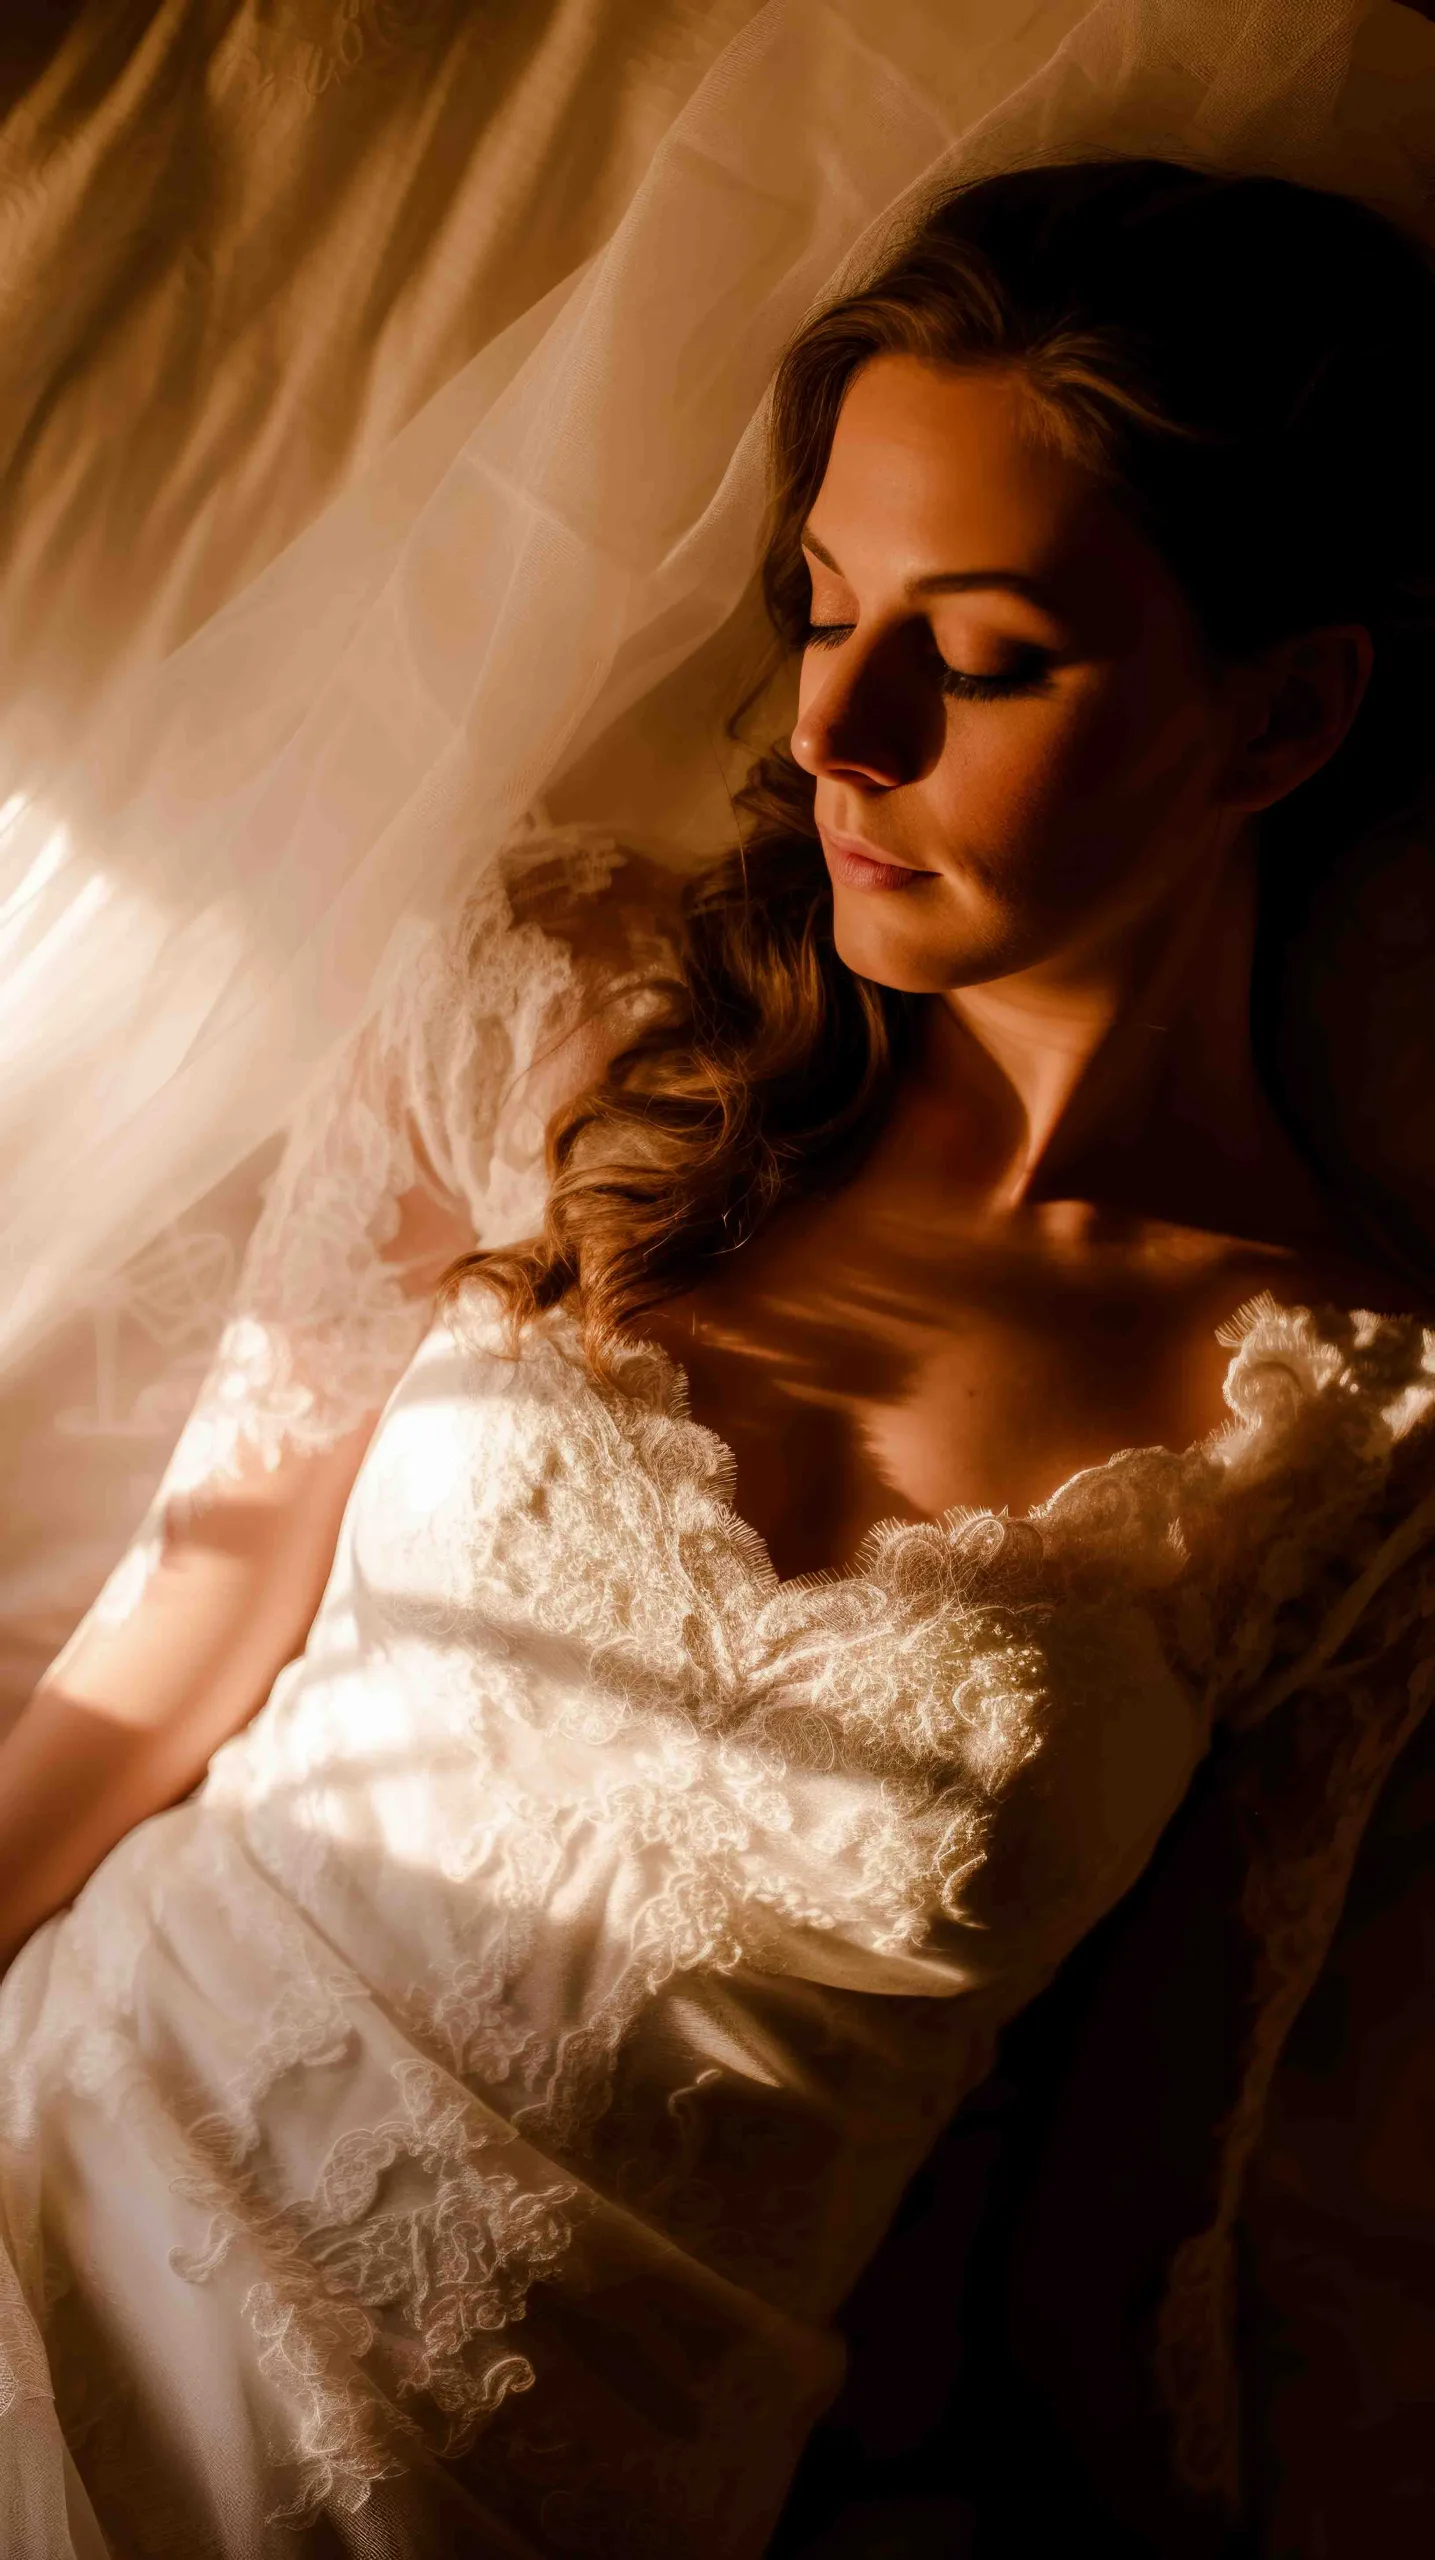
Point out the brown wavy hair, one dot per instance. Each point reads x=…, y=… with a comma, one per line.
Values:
x=1248, y=366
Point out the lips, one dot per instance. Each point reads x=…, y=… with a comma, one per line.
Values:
x=859, y=866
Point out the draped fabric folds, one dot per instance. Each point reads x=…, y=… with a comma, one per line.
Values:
x=199, y=905
x=387, y=466
x=532, y=583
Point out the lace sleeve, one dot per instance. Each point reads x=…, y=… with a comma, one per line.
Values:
x=425, y=1137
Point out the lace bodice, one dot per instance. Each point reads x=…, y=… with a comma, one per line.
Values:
x=468, y=2112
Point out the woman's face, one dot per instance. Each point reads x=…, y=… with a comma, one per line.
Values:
x=1019, y=747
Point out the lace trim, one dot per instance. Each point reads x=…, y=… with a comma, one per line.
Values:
x=939, y=1666
x=383, y=2302
x=1220, y=1541
x=332, y=41
x=452, y=2275
x=427, y=1098
x=422, y=1099
x=24, y=2366
x=824, y=1755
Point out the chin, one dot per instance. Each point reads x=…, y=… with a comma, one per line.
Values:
x=903, y=951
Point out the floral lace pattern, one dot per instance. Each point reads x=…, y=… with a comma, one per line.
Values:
x=474, y=2104
x=459, y=2264
x=323, y=1324
x=427, y=1099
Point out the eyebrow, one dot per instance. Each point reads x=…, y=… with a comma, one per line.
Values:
x=949, y=582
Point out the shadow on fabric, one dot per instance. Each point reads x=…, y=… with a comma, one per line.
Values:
x=1001, y=2397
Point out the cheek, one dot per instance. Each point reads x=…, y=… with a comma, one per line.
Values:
x=1053, y=801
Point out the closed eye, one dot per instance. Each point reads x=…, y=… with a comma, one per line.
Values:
x=1029, y=674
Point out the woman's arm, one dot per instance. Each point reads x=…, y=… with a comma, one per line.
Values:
x=127, y=1719
x=125, y=1722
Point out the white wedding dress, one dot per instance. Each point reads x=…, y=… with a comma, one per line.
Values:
x=454, y=2128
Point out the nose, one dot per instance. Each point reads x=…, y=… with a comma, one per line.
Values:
x=866, y=717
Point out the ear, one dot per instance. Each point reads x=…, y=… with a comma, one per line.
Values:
x=1293, y=704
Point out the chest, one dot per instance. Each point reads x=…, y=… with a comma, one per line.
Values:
x=883, y=1356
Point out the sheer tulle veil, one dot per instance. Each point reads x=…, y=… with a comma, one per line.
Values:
x=539, y=597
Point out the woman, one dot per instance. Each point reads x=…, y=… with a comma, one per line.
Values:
x=737, y=1668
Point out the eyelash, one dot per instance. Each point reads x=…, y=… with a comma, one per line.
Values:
x=1031, y=677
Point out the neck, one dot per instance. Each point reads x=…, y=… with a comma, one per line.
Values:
x=1130, y=1066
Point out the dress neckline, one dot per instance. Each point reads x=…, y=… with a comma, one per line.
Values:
x=1381, y=1369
